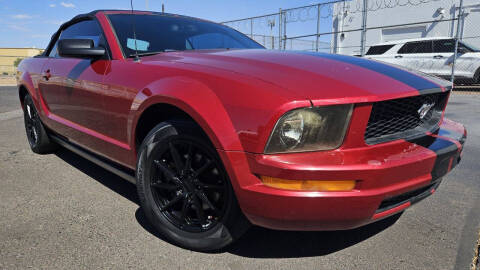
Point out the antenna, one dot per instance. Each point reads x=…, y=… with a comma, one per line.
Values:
x=137, y=59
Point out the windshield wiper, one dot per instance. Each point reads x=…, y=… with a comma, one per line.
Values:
x=145, y=53
x=151, y=53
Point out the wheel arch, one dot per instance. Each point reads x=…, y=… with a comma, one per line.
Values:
x=161, y=112
x=25, y=86
x=183, y=99
x=22, y=92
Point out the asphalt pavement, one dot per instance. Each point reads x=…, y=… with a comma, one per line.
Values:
x=60, y=211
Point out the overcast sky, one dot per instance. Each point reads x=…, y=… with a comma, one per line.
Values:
x=30, y=23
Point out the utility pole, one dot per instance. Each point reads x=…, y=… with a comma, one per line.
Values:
x=146, y=4
x=163, y=8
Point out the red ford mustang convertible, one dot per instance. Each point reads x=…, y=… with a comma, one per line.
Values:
x=218, y=133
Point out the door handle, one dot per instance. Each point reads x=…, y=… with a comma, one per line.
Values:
x=438, y=56
x=46, y=75
x=398, y=56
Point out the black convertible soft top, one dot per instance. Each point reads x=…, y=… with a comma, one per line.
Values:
x=91, y=16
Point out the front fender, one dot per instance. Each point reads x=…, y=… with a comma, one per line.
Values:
x=194, y=98
x=25, y=80
x=28, y=76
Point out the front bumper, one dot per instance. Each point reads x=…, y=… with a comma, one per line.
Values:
x=390, y=177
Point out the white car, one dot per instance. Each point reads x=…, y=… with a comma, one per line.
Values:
x=431, y=55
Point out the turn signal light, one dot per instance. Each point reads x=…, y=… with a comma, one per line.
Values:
x=309, y=185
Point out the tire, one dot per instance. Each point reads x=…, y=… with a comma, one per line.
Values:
x=476, y=77
x=185, y=191
x=37, y=136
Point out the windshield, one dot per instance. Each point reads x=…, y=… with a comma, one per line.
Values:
x=160, y=33
x=470, y=46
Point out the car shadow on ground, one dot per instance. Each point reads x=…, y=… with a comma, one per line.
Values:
x=257, y=242
x=104, y=177
x=265, y=243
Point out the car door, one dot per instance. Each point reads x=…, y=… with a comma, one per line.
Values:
x=72, y=88
x=443, y=56
x=417, y=55
x=468, y=61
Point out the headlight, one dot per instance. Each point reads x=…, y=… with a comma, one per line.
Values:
x=310, y=129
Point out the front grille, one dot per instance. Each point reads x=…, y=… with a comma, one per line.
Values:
x=401, y=118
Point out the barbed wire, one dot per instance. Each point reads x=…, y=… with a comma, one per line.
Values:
x=309, y=13
x=327, y=10
x=268, y=25
x=375, y=5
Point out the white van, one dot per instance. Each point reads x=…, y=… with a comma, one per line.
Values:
x=431, y=55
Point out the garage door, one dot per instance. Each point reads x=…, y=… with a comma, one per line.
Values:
x=403, y=33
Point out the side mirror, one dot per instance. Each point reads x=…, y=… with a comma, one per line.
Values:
x=462, y=50
x=79, y=48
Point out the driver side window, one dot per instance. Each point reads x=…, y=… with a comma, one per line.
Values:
x=82, y=30
x=444, y=46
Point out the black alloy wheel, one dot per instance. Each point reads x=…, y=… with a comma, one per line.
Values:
x=184, y=189
x=32, y=123
x=37, y=136
x=189, y=186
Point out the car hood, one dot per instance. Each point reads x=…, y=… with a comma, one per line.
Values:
x=471, y=54
x=322, y=78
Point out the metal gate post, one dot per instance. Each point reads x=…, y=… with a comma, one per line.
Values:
x=364, y=28
x=251, y=28
x=280, y=29
x=462, y=27
x=285, y=31
x=455, y=55
x=318, y=27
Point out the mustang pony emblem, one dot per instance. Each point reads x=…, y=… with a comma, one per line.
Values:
x=422, y=112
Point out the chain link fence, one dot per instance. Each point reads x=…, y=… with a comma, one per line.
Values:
x=419, y=34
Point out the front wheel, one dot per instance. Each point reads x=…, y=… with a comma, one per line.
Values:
x=185, y=191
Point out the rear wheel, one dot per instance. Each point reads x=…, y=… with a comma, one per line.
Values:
x=185, y=191
x=37, y=136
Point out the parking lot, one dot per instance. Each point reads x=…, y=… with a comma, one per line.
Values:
x=60, y=211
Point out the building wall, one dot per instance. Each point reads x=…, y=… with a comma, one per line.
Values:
x=9, y=55
x=348, y=17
